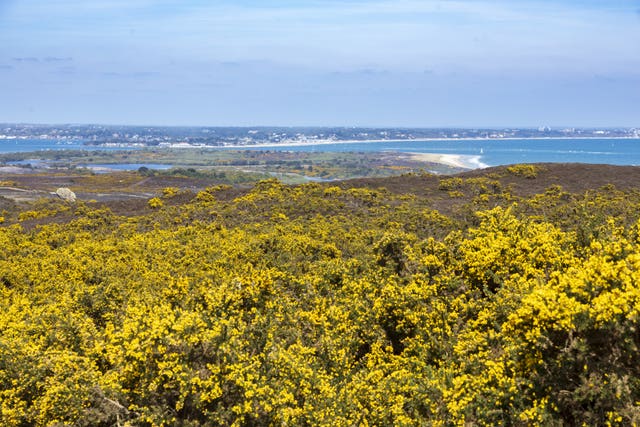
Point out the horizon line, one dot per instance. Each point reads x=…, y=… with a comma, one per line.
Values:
x=265, y=126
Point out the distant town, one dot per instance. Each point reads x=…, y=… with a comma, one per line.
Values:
x=246, y=136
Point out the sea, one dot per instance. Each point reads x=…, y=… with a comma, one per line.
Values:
x=473, y=153
x=478, y=153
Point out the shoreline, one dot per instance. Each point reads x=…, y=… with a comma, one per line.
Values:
x=367, y=141
x=455, y=160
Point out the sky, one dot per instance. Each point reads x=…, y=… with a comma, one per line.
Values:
x=404, y=63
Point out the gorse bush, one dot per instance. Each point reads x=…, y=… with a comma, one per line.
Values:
x=321, y=305
x=527, y=171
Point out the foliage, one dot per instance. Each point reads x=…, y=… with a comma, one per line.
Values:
x=155, y=203
x=527, y=171
x=324, y=305
x=169, y=192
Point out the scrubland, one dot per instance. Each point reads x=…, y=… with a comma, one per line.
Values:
x=507, y=296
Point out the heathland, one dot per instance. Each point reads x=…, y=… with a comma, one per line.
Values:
x=503, y=296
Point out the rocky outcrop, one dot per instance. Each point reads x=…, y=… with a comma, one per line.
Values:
x=66, y=194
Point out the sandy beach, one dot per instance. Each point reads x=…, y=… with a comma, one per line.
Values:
x=296, y=143
x=455, y=160
x=445, y=159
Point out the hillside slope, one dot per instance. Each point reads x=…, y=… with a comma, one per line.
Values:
x=498, y=297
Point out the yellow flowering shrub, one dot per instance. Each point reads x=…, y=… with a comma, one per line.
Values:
x=524, y=170
x=325, y=305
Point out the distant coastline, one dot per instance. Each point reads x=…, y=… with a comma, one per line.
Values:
x=189, y=145
x=473, y=153
x=275, y=136
x=461, y=152
x=376, y=141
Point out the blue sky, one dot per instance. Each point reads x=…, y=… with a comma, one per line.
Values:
x=422, y=63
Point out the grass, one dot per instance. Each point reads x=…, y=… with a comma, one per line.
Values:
x=289, y=166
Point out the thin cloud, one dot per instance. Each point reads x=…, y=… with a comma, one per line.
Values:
x=67, y=71
x=130, y=75
x=57, y=59
x=46, y=59
x=280, y=51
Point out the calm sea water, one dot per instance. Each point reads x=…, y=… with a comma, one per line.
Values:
x=473, y=152
x=127, y=166
x=480, y=153
x=26, y=145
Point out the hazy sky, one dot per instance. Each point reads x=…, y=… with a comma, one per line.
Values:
x=422, y=63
